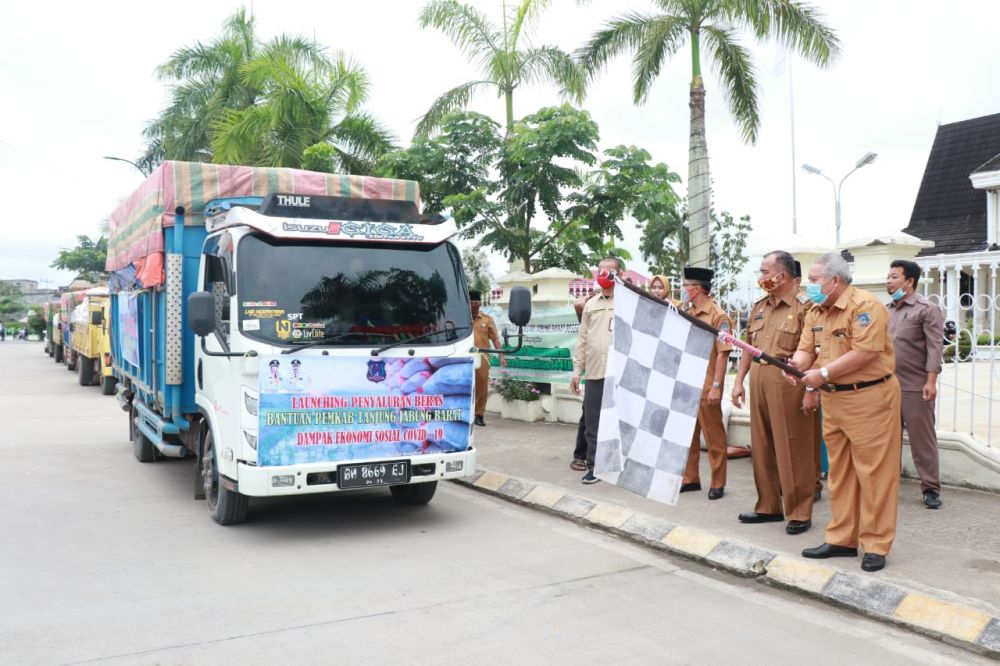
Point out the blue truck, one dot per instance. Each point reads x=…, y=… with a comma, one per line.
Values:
x=293, y=333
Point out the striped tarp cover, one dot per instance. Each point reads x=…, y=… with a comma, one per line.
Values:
x=134, y=229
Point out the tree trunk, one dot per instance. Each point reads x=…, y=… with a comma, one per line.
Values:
x=509, y=108
x=699, y=181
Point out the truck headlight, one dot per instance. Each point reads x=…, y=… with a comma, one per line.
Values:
x=282, y=480
x=251, y=403
x=251, y=439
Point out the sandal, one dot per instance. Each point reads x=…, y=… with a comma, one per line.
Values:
x=578, y=465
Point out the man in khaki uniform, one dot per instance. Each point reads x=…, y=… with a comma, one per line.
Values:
x=810, y=404
x=590, y=359
x=484, y=332
x=861, y=421
x=916, y=326
x=781, y=433
x=698, y=287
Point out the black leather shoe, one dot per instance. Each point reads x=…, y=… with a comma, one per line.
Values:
x=798, y=526
x=716, y=493
x=688, y=487
x=829, y=550
x=480, y=421
x=817, y=495
x=932, y=500
x=754, y=517
x=873, y=562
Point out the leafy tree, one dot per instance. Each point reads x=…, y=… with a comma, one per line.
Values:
x=86, y=259
x=12, y=304
x=457, y=160
x=505, y=61
x=237, y=99
x=477, y=270
x=36, y=321
x=729, y=244
x=716, y=25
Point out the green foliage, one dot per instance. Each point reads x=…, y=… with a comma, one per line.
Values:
x=12, y=304
x=319, y=157
x=477, y=270
x=728, y=251
x=499, y=51
x=36, y=321
x=238, y=100
x=514, y=389
x=457, y=160
x=87, y=259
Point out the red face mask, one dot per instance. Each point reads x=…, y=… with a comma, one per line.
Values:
x=604, y=280
x=769, y=284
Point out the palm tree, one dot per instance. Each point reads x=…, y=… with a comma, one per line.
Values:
x=301, y=104
x=226, y=93
x=716, y=24
x=504, y=61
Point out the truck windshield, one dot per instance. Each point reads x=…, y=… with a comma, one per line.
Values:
x=294, y=292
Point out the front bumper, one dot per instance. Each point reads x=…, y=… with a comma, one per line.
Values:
x=256, y=481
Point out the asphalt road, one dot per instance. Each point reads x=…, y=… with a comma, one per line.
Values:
x=105, y=560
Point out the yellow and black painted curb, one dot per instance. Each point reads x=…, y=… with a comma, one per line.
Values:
x=920, y=612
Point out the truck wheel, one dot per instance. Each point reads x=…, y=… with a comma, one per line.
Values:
x=108, y=385
x=59, y=354
x=414, y=493
x=85, y=366
x=226, y=506
x=143, y=449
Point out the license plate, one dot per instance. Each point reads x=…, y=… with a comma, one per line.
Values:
x=368, y=475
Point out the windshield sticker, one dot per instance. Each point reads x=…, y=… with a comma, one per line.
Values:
x=283, y=328
x=369, y=230
x=317, y=409
x=259, y=304
x=251, y=324
x=262, y=313
x=308, y=324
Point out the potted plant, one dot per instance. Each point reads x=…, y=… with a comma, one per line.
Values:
x=520, y=398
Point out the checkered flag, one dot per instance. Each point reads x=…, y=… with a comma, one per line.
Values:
x=652, y=389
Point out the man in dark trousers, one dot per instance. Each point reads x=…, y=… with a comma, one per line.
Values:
x=698, y=289
x=916, y=326
x=484, y=332
x=590, y=359
x=781, y=433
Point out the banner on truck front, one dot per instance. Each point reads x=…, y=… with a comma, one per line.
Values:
x=128, y=318
x=328, y=408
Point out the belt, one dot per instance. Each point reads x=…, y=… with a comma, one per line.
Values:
x=859, y=385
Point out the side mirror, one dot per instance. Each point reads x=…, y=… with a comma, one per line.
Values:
x=97, y=318
x=201, y=313
x=519, y=309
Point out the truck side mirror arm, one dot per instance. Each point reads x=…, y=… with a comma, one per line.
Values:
x=226, y=354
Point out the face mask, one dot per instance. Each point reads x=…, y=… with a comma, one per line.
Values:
x=769, y=284
x=815, y=293
x=898, y=294
x=604, y=280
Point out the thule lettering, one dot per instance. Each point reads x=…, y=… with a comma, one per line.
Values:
x=295, y=201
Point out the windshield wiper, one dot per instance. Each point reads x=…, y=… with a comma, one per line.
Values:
x=400, y=343
x=331, y=338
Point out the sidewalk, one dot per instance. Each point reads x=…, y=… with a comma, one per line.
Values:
x=950, y=555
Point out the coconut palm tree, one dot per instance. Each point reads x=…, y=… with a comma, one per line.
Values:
x=505, y=61
x=715, y=25
x=301, y=104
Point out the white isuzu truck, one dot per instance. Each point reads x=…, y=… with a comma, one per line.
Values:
x=295, y=332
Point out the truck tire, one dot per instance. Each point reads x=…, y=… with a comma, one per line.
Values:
x=226, y=506
x=108, y=385
x=414, y=493
x=143, y=449
x=85, y=366
x=58, y=356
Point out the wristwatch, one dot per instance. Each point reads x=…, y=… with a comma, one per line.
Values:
x=716, y=385
x=826, y=373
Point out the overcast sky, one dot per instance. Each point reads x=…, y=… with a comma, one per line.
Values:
x=77, y=84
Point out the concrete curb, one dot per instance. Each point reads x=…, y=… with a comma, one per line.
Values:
x=947, y=621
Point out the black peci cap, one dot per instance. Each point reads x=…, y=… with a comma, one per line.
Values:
x=475, y=295
x=797, y=273
x=700, y=274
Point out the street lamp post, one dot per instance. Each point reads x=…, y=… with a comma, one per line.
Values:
x=122, y=159
x=867, y=158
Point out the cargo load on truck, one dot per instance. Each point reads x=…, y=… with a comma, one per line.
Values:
x=334, y=343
